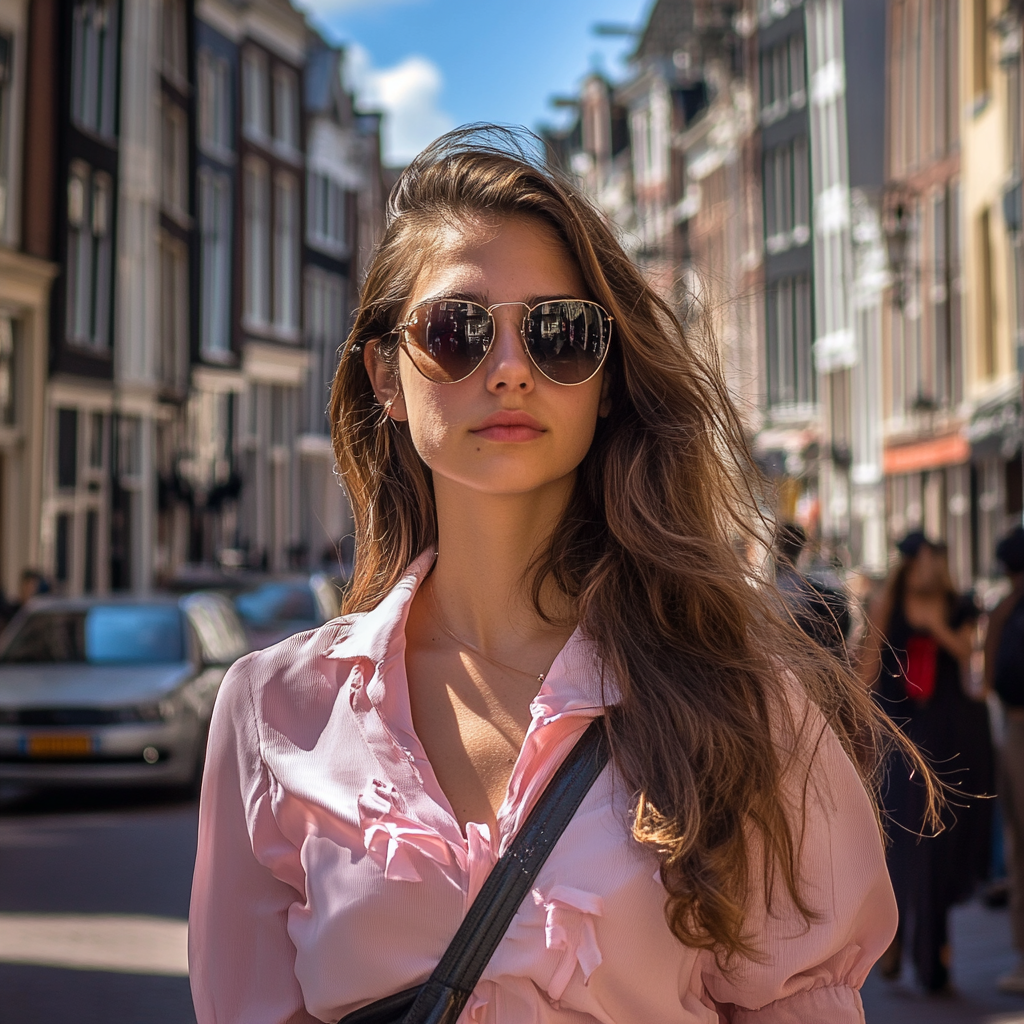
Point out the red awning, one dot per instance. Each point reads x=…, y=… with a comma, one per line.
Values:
x=951, y=450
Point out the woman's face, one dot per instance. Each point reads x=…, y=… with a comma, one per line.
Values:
x=925, y=571
x=457, y=428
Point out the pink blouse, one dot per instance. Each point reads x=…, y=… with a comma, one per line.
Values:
x=331, y=870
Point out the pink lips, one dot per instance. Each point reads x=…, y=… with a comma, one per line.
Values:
x=509, y=426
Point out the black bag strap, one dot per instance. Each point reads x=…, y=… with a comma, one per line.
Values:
x=442, y=997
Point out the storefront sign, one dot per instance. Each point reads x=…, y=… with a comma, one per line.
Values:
x=951, y=450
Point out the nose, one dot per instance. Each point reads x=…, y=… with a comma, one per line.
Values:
x=509, y=367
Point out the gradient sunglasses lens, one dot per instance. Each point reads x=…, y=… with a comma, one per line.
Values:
x=447, y=340
x=568, y=339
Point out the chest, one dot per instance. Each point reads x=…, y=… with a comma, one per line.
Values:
x=594, y=917
x=471, y=719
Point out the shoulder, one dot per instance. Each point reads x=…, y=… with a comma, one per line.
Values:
x=292, y=671
x=809, y=750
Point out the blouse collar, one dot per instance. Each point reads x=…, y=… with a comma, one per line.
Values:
x=572, y=686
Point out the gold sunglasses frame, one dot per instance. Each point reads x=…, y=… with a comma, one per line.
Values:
x=403, y=328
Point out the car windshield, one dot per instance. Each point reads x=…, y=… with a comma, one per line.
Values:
x=277, y=602
x=104, y=635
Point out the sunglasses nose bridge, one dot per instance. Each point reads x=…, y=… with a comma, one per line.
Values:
x=500, y=350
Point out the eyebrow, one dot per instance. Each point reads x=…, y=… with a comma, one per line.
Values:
x=481, y=300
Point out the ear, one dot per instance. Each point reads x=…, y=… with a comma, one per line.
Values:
x=385, y=382
x=606, y=394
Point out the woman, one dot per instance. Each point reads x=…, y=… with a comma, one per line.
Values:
x=546, y=479
x=918, y=674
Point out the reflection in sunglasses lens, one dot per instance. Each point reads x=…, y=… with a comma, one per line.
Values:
x=567, y=339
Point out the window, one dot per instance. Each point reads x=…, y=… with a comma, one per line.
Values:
x=214, y=76
x=286, y=108
x=129, y=447
x=783, y=79
x=94, y=66
x=96, y=432
x=174, y=161
x=67, y=448
x=214, y=263
x=787, y=196
x=979, y=54
x=92, y=529
x=940, y=73
x=286, y=252
x=326, y=213
x=789, y=330
x=62, y=544
x=172, y=354
x=279, y=409
x=325, y=333
x=256, y=199
x=89, y=270
x=8, y=369
x=173, y=40
x=986, y=294
x=255, y=96
x=6, y=53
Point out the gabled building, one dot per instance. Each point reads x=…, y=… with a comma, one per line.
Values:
x=927, y=474
x=290, y=200
x=342, y=182
x=720, y=208
x=27, y=60
x=239, y=463
x=77, y=147
x=991, y=225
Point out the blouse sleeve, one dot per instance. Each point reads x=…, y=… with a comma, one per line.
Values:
x=811, y=973
x=241, y=959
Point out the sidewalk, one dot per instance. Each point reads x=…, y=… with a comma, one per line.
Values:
x=981, y=952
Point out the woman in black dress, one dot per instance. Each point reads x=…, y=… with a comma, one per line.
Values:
x=917, y=658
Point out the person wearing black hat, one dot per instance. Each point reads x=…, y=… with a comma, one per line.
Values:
x=1004, y=673
x=821, y=612
x=916, y=657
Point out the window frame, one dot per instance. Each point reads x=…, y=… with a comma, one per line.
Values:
x=215, y=250
x=257, y=227
x=94, y=58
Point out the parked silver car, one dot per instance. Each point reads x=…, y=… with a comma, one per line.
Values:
x=278, y=608
x=113, y=691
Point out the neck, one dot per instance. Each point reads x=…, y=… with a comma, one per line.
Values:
x=485, y=546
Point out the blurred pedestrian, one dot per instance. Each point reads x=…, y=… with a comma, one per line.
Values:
x=31, y=583
x=917, y=657
x=1004, y=673
x=822, y=613
x=541, y=464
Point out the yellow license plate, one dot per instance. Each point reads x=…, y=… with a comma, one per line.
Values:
x=58, y=745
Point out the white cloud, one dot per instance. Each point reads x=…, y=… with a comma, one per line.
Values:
x=407, y=93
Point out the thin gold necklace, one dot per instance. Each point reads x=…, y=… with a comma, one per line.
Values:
x=439, y=619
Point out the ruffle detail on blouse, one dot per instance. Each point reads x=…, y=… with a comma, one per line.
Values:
x=476, y=1011
x=393, y=840
x=569, y=927
x=480, y=858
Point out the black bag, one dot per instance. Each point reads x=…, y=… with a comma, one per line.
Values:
x=1008, y=678
x=441, y=998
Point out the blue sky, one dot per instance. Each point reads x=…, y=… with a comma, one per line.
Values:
x=434, y=64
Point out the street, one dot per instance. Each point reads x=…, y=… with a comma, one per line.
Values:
x=124, y=853
x=94, y=895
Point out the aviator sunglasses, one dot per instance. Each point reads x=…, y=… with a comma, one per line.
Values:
x=447, y=339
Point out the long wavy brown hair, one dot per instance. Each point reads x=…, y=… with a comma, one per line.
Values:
x=646, y=549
